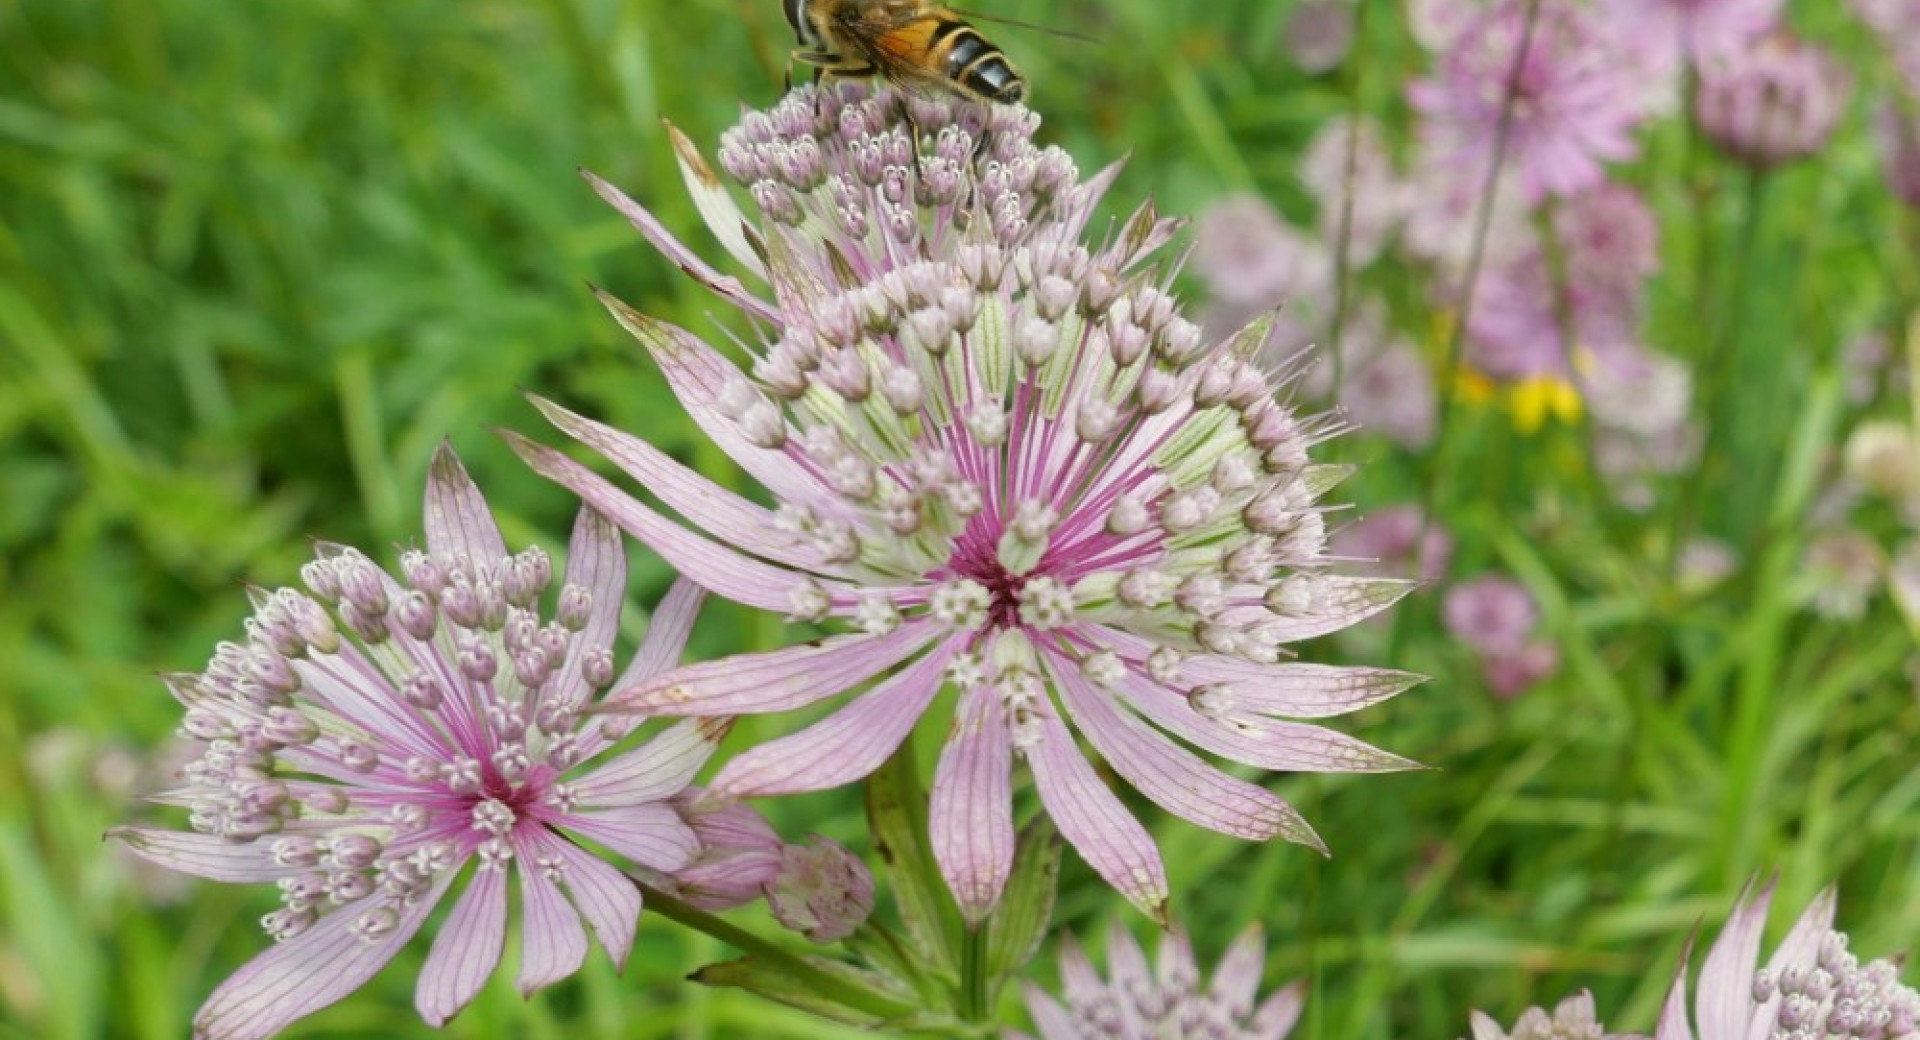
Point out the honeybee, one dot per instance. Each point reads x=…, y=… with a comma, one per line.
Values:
x=918, y=46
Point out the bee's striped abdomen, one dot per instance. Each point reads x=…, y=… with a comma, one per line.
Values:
x=977, y=65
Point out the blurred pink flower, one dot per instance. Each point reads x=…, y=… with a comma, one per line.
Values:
x=1607, y=245
x=1384, y=543
x=1393, y=394
x=1896, y=126
x=1812, y=986
x=1442, y=223
x=1509, y=675
x=1772, y=103
x=1436, y=24
x=1246, y=254
x=1319, y=34
x=1895, y=21
x=1642, y=408
x=1139, y=1001
x=377, y=735
x=1004, y=464
x=1572, y=1019
x=1701, y=31
x=1491, y=614
x=1380, y=198
x=1495, y=617
x=1573, y=107
x=1839, y=572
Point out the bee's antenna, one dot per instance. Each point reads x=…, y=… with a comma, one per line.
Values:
x=1018, y=24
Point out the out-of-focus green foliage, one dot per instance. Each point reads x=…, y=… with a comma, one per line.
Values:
x=257, y=258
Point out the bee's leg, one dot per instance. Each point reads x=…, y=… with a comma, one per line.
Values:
x=901, y=99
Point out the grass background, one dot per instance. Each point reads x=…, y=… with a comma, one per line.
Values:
x=257, y=258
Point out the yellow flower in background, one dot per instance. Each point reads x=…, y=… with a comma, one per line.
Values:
x=1534, y=401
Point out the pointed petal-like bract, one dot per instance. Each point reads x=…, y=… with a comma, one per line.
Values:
x=1175, y=779
x=202, y=855
x=656, y=770
x=457, y=518
x=970, y=812
x=737, y=577
x=1237, y=977
x=608, y=900
x=667, y=634
x=306, y=973
x=553, y=944
x=722, y=513
x=1724, y=1004
x=777, y=680
x=843, y=747
x=696, y=373
x=651, y=835
x=1279, y=1013
x=466, y=950
x=1673, y=1011
x=710, y=197
x=1267, y=743
x=726, y=287
x=597, y=563
x=1095, y=823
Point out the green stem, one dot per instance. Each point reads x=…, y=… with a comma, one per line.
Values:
x=827, y=985
x=1343, y=241
x=1715, y=373
x=1457, y=336
x=974, y=1000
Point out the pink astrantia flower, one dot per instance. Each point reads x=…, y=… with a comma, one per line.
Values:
x=1894, y=21
x=376, y=736
x=1572, y=105
x=1700, y=31
x=1397, y=542
x=1379, y=198
x=1772, y=103
x=1572, y=1019
x=1491, y=614
x=1509, y=675
x=1138, y=1001
x=1319, y=34
x=1393, y=394
x=1007, y=464
x=1606, y=245
x=1246, y=254
x=1812, y=986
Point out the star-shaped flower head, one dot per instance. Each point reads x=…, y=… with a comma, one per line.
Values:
x=377, y=740
x=1548, y=72
x=1572, y=1019
x=1139, y=1001
x=1004, y=464
x=1812, y=988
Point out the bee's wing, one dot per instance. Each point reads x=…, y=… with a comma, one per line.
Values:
x=895, y=36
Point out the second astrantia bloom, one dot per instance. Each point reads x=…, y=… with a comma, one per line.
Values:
x=1811, y=987
x=378, y=738
x=1005, y=465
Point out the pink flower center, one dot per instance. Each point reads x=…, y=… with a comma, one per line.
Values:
x=974, y=558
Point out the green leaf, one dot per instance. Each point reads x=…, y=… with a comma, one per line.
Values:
x=896, y=815
x=1026, y=906
x=775, y=982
